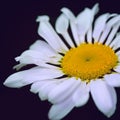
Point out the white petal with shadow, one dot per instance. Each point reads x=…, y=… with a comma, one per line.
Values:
x=32, y=57
x=62, y=25
x=46, y=31
x=81, y=95
x=73, y=24
x=116, y=42
x=89, y=35
x=26, y=77
x=99, y=26
x=45, y=89
x=113, y=79
x=113, y=33
x=42, y=46
x=111, y=23
x=84, y=20
x=117, y=68
x=39, y=58
x=63, y=90
x=58, y=111
x=104, y=97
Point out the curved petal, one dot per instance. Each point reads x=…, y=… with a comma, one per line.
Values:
x=84, y=21
x=113, y=79
x=39, y=58
x=19, y=66
x=46, y=31
x=30, y=57
x=73, y=24
x=42, y=46
x=104, y=97
x=62, y=25
x=58, y=111
x=99, y=26
x=26, y=77
x=81, y=95
x=38, y=54
x=64, y=90
x=68, y=13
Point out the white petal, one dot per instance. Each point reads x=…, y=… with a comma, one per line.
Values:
x=26, y=77
x=108, y=27
x=19, y=66
x=68, y=13
x=45, y=89
x=46, y=31
x=32, y=57
x=116, y=42
x=58, y=111
x=104, y=97
x=42, y=46
x=99, y=26
x=89, y=35
x=113, y=79
x=117, y=68
x=74, y=30
x=40, y=53
x=63, y=90
x=62, y=25
x=73, y=24
x=39, y=58
x=42, y=18
x=84, y=21
x=36, y=85
x=81, y=95
x=113, y=33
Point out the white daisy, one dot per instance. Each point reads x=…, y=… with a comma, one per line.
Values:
x=69, y=68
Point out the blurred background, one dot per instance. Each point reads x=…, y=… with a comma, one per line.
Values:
x=18, y=30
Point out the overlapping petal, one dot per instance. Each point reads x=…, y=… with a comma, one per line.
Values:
x=47, y=32
x=62, y=90
x=73, y=24
x=84, y=21
x=81, y=95
x=111, y=23
x=58, y=111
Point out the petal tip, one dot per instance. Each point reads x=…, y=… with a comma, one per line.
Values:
x=42, y=18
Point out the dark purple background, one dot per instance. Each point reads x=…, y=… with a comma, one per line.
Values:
x=18, y=30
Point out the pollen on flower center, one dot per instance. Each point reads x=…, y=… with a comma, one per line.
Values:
x=89, y=61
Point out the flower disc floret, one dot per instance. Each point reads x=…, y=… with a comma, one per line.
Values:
x=89, y=61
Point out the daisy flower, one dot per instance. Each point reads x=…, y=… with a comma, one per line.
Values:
x=83, y=60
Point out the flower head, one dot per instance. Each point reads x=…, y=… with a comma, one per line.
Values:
x=70, y=68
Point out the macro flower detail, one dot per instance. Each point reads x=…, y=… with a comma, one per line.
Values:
x=71, y=67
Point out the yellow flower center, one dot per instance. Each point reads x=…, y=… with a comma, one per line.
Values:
x=89, y=61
